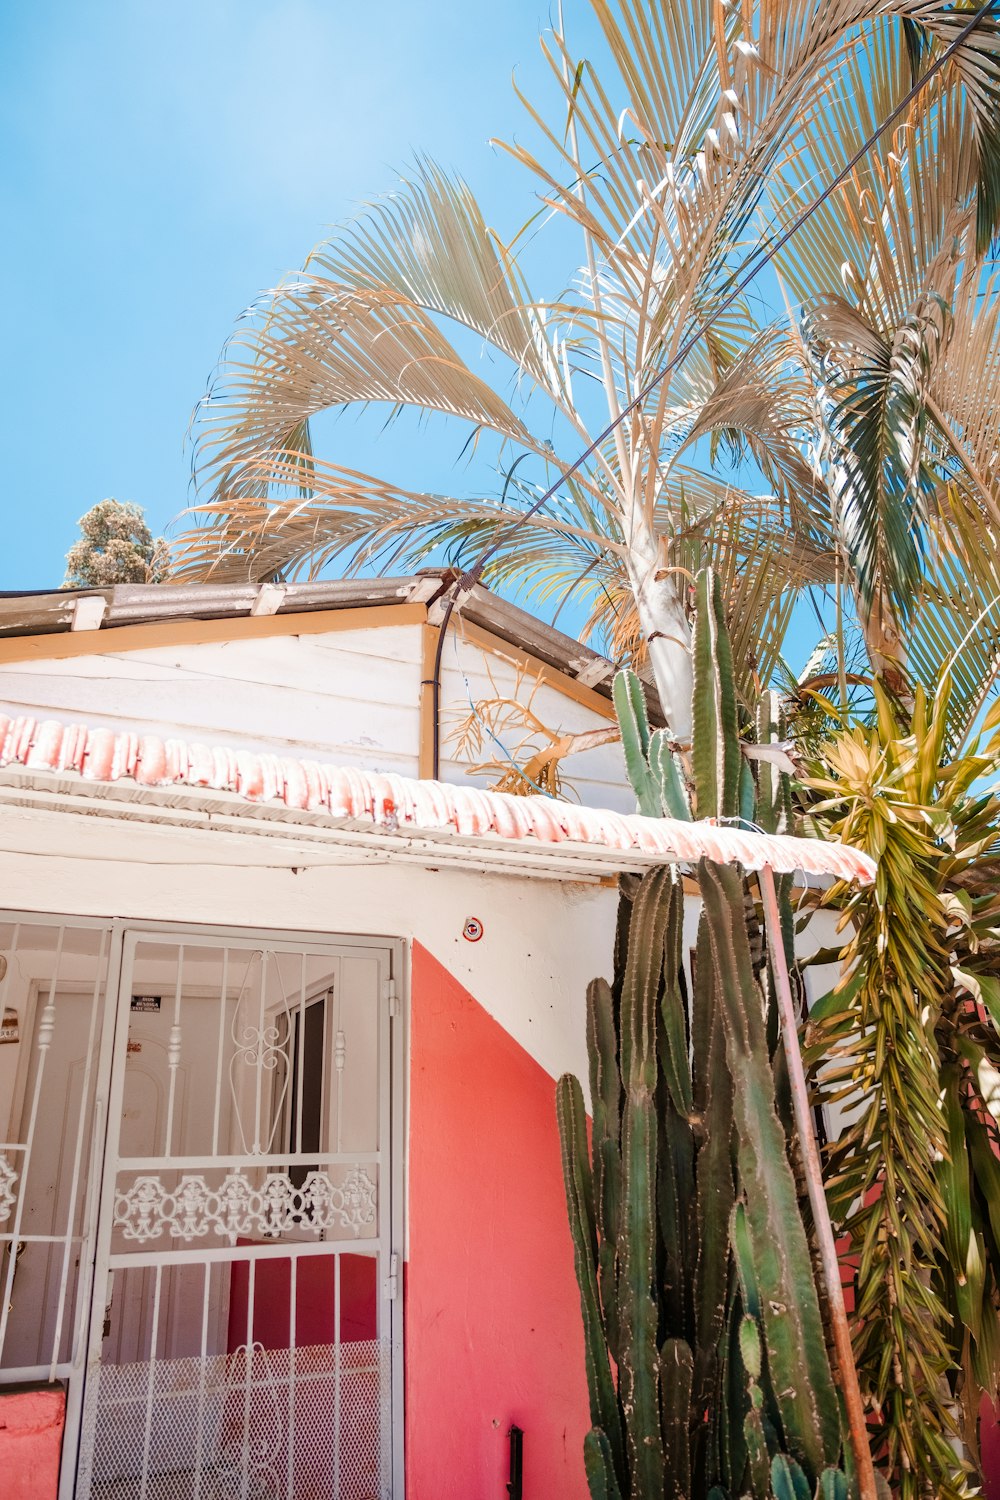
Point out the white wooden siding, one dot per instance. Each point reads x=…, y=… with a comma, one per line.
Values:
x=350, y=697
x=597, y=777
x=347, y=697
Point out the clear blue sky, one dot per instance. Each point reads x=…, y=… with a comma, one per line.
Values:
x=165, y=160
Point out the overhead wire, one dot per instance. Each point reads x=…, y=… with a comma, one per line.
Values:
x=755, y=264
x=487, y=729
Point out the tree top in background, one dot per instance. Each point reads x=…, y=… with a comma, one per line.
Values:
x=115, y=546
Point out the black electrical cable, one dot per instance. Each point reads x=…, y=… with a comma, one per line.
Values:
x=756, y=264
x=434, y=681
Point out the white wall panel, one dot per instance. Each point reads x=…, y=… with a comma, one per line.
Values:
x=597, y=776
x=348, y=697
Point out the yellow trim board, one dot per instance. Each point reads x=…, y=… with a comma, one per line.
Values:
x=109, y=641
x=551, y=676
x=425, y=746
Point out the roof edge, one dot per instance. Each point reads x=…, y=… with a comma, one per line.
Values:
x=387, y=804
x=38, y=616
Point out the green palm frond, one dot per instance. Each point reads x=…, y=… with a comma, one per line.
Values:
x=872, y=402
x=907, y=1047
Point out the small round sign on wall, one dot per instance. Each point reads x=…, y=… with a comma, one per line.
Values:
x=473, y=930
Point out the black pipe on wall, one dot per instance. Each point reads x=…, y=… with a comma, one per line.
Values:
x=515, y=1486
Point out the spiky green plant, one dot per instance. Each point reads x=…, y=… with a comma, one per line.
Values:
x=706, y=1359
x=907, y=1054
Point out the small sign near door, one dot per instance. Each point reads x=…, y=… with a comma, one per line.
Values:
x=146, y=1004
x=10, y=1030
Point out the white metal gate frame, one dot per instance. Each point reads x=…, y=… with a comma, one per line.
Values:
x=71, y=1369
x=96, y=1259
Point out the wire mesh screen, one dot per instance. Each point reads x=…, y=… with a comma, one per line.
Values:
x=256, y=1424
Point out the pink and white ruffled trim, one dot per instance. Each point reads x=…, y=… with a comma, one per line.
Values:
x=399, y=804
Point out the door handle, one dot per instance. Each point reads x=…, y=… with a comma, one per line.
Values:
x=22, y=1245
x=106, y=1328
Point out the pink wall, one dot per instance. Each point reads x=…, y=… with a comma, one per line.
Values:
x=31, y=1428
x=493, y=1331
x=314, y=1301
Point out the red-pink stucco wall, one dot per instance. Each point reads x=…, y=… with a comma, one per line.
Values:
x=493, y=1331
x=31, y=1428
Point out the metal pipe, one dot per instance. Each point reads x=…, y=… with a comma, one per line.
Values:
x=515, y=1486
x=434, y=683
x=857, y=1425
x=461, y=584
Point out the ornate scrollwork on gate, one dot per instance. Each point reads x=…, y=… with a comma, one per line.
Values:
x=247, y=1458
x=193, y=1209
x=8, y=1184
x=261, y=1041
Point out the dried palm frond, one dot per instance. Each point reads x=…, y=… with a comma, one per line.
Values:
x=528, y=753
x=690, y=129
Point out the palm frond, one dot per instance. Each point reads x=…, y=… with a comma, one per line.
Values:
x=872, y=402
x=956, y=623
x=356, y=519
x=763, y=399
x=429, y=242
x=964, y=388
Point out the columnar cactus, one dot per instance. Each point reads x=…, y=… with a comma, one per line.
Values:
x=706, y=1359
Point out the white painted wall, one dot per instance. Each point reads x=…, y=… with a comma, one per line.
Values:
x=543, y=940
x=348, y=698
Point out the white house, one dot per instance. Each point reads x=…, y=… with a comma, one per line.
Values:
x=281, y=1211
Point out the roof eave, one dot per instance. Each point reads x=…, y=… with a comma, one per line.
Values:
x=213, y=811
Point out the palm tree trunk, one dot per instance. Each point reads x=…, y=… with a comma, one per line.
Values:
x=886, y=647
x=665, y=625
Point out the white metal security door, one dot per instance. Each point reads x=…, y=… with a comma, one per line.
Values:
x=244, y=1338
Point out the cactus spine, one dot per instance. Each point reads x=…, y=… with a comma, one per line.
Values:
x=706, y=1358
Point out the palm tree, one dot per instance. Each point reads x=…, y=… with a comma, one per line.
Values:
x=849, y=441
x=904, y=357
x=703, y=128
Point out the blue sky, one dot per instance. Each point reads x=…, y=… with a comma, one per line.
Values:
x=165, y=160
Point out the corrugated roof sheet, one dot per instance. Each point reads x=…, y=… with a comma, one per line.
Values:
x=398, y=804
x=39, y=615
